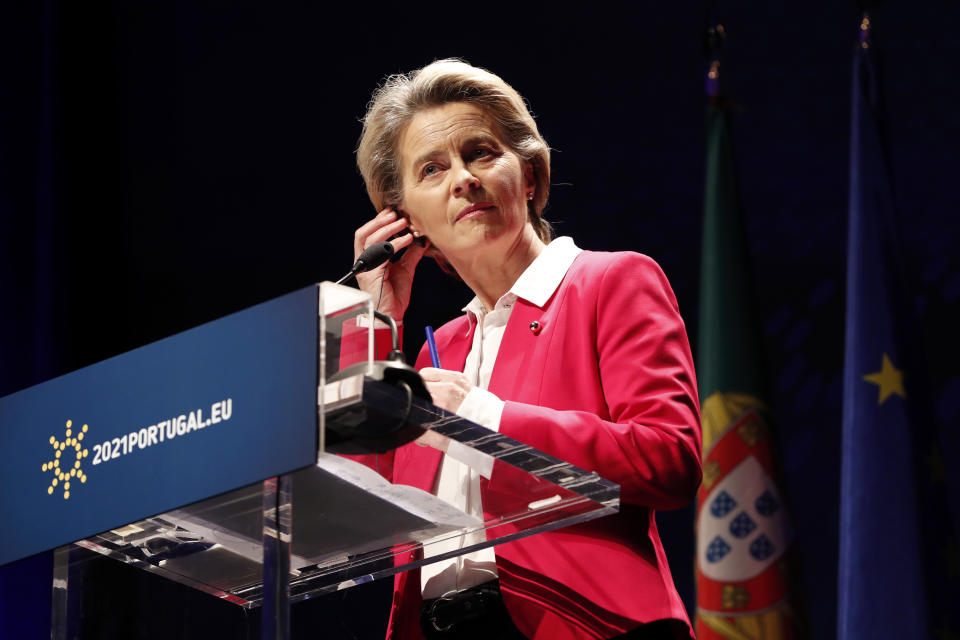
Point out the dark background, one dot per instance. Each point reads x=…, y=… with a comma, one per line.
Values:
x=164, y=164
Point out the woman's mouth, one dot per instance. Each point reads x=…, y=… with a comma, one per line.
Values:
x=474, y=210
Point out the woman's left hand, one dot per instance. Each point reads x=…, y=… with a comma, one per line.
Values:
x=447, y=388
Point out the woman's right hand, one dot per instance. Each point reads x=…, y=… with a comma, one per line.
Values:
x=398, y=279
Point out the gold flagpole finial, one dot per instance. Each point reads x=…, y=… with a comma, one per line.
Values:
x=714, y=42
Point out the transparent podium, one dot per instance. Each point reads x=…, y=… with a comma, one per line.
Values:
x=340, y=522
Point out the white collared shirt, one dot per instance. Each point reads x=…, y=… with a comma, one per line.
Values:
x=457, y=483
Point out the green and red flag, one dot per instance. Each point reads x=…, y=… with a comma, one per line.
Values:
x=743, y=529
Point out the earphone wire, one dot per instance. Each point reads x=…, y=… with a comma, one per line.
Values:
x=380, y=297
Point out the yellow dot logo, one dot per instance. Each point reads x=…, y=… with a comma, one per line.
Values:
x=69, y=447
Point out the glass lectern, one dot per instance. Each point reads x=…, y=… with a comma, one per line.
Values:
x=339, y=522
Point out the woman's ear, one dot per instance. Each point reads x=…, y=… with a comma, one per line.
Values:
x=411, y=228
x=529, y=179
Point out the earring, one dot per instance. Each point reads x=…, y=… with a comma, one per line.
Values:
x=416, y=234
x=529, y=196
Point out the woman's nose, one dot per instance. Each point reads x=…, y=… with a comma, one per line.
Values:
x=464, y=182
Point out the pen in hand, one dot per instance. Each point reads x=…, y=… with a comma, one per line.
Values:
x=434, y=356
x=432, y=345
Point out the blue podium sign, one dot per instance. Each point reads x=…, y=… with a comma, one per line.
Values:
x=225, y=404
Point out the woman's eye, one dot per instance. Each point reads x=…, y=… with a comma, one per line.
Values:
x=429, y=170
x=481, y=153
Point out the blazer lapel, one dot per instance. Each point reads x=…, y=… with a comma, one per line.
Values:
x=454, y=347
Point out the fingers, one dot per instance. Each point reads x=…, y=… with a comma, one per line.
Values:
x=448, y=388
x=448, y=394
x=386, y=231
x=382, y=226
x=383, y=217
x=402, y=242
x=433, y=374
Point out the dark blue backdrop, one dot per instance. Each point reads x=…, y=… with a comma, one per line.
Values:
x=163, y=164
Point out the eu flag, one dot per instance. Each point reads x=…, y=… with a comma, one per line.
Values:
x=885, y=551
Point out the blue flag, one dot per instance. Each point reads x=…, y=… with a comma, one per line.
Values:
x=887, y=548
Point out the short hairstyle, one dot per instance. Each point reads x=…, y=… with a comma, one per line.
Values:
x=402, y=96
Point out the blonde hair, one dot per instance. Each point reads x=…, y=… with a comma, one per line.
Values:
x=402, y=96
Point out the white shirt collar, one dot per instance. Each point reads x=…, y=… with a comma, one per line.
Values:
x=538, y=281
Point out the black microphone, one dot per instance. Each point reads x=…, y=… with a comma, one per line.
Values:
x=371, y=258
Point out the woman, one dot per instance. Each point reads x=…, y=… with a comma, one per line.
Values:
x=580, y=354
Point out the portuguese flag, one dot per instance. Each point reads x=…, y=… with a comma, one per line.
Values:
x=743, y=529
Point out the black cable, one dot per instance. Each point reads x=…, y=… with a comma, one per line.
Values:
x=406, y=415
x=395, y=354
x=380, y=297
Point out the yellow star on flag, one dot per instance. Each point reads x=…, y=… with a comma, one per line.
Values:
x=889, y=379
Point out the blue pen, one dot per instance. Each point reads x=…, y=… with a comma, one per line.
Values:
x=432, y=345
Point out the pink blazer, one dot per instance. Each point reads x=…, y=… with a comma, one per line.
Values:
x=606, y=382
